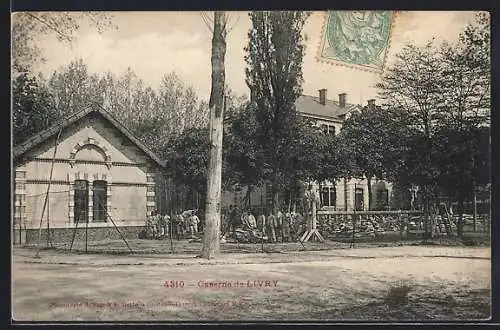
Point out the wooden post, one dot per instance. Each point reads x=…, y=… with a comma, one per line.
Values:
x=354, y=219
x=474, y=201
x=48, y=190
x=311, y=229
x=48, y=219
x=86, y=232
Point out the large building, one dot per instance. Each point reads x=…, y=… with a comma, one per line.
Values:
x=342, y=195
x=101, y=175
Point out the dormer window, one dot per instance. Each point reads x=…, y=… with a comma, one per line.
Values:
x=328, y=129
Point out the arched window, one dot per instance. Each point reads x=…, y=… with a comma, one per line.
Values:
x=81, y=201
x=99, y=200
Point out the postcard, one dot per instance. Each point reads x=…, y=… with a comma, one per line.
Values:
x=251, y=166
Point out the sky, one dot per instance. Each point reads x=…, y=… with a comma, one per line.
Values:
x=156, y=43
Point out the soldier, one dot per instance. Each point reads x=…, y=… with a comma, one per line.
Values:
x=179, y=224
x=149, y=225
x=270, y=225
x=160, y=225
x=251, y=220
x=236, y=220
x=279, y=225
x=195, y=221
x=166, y=225
x=261, y=222
x=244, y=219
x=299, y=225
x=153, y=224
x=230, y=216
x=286, y=227
x=225, y=224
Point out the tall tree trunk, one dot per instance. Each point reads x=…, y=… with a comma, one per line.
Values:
x=460, y=223
x=250, y=188
x=187, y=201
x=474, y=205
x=426, y=202
x=321, y=201
x=345, y=195
x=370, y=199
x=276, y=199
x=474, y=195
x=211, y=243
x=290, y=201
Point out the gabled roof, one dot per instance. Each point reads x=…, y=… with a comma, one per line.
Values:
x=310, y=105
x=72, y=118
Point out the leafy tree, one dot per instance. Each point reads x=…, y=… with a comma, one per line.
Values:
x=372, y=137
x=413, y=84
x=188, y=159
x=28, y=27
x=180, y=105
x=274, y=76
x=310, y=152
x=243, y=155
x=444, y=95
x=33, y=107
x=71, y=87
x=154, y=116
x=466, y=110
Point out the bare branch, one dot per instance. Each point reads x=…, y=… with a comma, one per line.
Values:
x=53, y=28
x=209, y=22
x=233, y=25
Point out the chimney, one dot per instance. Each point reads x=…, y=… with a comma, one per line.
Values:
x=342, y=97
x=322, y=96
x=371, y=102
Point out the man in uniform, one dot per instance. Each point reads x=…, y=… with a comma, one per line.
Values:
x=166, y=225
x=160, y=225
x=299, y=225
x=261, y=222
x=192, y=222
x=230, y=216
x=270, y=225
x=151, y=225
x=279, y=225
x=286, y=227
x=251, y=220
x=195, y=221
x=236, y=217
x=179, y=224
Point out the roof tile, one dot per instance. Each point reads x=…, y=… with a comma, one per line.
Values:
x=310, y=105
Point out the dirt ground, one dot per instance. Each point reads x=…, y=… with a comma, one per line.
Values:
x=445, y=283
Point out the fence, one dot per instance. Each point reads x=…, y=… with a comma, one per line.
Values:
x=56, y=212
x=393, y=225
x=337, y=227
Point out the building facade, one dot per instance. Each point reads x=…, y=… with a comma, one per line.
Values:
x=341, y=195
x=101, y=174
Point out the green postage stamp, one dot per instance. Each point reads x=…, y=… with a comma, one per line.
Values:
x=358, y=39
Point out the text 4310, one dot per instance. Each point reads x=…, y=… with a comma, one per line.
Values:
x=173, y=284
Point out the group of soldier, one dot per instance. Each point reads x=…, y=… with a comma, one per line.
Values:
x=279, y=227
x=179, y=225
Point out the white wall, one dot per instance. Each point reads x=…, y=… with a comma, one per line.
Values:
x=127, y=183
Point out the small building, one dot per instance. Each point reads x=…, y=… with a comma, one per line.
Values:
x=102, y=176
